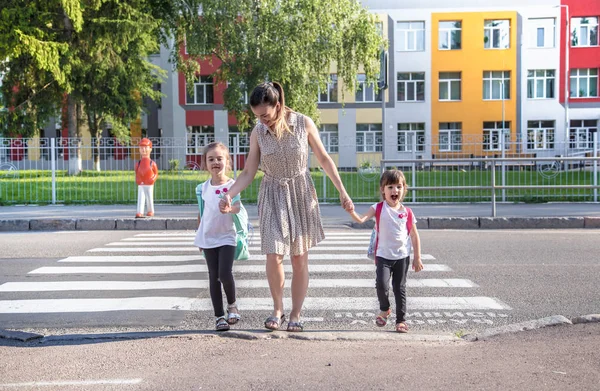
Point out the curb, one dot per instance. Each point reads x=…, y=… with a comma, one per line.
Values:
x=554, y=320
x=254, y=335
x=251, y=335
x=162, y=224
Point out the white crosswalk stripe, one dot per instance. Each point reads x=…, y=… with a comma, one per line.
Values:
x=338, y=263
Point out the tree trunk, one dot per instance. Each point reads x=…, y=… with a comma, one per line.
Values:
x=96, y=133
x=74, y=141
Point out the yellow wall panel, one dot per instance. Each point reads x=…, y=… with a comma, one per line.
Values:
x=472, y=60
x=368, y=116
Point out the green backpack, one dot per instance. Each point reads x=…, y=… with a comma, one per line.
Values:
x=242, y=226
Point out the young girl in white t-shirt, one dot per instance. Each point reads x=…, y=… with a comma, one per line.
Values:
x=216, y=235
x=392, y=252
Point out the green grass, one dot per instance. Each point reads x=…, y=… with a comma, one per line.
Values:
x=118, y=187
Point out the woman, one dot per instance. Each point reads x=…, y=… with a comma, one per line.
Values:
x=290, y=219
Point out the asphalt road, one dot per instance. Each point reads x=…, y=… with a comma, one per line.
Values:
x=505, y=276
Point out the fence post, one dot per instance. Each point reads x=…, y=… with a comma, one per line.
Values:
x=493, y=187
x=53, y=167
x=236, y=154
x=595, y=181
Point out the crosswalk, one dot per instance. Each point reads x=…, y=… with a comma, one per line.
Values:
x=165, y=272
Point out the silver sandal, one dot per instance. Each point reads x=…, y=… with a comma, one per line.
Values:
x=233, y=317
x=222, y=324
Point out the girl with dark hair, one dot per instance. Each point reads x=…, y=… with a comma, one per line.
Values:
x=290, y=219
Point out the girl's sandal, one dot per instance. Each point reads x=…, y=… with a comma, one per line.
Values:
x=222, y=324
x=381, y=320
x=401, y=327
x=295, y=327
x=232, y=317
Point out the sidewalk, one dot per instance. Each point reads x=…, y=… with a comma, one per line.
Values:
x=432, y=216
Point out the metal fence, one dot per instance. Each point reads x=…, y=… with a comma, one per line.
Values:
x=36, y=171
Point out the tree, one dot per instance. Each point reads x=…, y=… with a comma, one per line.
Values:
x=113, y=73
x=290, y=41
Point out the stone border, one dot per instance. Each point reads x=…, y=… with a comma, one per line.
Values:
x=554, y=320
x=470, y=223
x=317, y=335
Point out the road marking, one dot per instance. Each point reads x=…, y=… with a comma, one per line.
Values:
x=358, y=249
x=174, y=269
x=364, y=244
x=72, y=383
x=53, y=286
x=199, y=257
x=365, y=233
x=245, y=304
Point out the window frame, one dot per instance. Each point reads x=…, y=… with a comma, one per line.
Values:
x=373, y=132
x=207, y=85
x=453, y=132
x=579, y=77
x=362, y=89
x=416, y=128
x=449, y=82
x=540, y=128
x=197, y=137
x=488, y=33
x=416, y=84
x=243, y=137
x=331, y=94
x=415, y=29
x=329, y=135
x=541, y=23
x=494, y=133
x=587, y=130
x=447, y=32
x=534, y=79
x=494, y=78
x=576, y=27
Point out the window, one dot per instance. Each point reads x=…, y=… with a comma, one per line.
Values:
x=542, y=33
x=496, y=85
x=330, y=95
x=198, y=137
x=412, y=36
x=366, y=92
x=241, y=139
x=496, y=34
x=329, y=137
x=540, y=135
x=492, y=133
x=369, y=138
x=450, y=136
x=449, y=85
x=450, y=35
x=202, y=92
x=581, y=134
x=584, y=83
x=411, y=137
x=584, y=32
x=540, y=83
x=411, y=87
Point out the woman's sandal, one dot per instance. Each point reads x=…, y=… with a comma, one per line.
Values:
x=382, y=320
x=233, y=317
x=222, y=324
x=274, y=323
x=401, y=327
x=295, y=327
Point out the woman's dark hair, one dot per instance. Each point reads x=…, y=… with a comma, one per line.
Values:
x=270, y=94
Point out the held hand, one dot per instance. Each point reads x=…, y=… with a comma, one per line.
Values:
x=417, y=265
x=347, y=203
x=225, y=204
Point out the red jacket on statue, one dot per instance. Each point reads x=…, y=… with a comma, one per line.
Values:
x=146, y=172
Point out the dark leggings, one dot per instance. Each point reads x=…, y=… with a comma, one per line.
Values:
x=219, y=261
x=397, y=269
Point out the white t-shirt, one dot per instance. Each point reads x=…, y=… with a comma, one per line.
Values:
x=216, y=229
x=394, y=240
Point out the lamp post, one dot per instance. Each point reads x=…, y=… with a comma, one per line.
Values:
x=567, y=73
